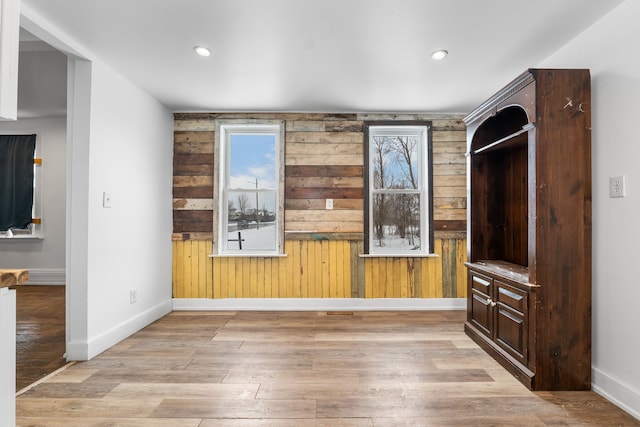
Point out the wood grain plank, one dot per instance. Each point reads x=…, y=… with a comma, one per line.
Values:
x=194, y=271
x=343, y=126
x=325, y=182
x=296, y=280
x=192, y=192
x=207, y=244
x=193, y=147
x=175, y=259
x=320, y=204
x=217, y=278
x=323, y=193
x=267, y=278
x=324, y=171
x=325, y=137
x=324, y=149
x=304, y=269
x=325, y=256
x=324, y=215
x=180, y=137
x=192, y=181
x=305, y=126
x=203, y=260
x=193, y=169
x=323, y=159
x=193, y=204
x=193, y=159
x=438, y=282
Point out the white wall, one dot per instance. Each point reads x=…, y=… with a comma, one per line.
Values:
x=119, y=140
x=610, y=49
x=129, y=244
x=44, y=258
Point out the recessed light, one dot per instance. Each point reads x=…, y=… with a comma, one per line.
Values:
x=439, y=55
x=202, y=51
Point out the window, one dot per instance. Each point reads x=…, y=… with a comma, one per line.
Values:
x=19, y=192
x=398, y=209
x=249, y=188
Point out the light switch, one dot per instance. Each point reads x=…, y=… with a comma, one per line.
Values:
x=106, y=200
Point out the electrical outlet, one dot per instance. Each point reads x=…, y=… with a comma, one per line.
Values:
x=133, y=296
x=617, y=186
x=329, y=204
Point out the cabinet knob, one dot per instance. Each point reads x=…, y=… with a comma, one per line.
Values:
x=493, y=304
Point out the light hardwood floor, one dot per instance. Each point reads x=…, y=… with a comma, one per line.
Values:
x=234, y=369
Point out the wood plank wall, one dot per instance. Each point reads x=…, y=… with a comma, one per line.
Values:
x=324, y=158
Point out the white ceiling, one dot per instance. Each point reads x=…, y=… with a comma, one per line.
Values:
x=321, y=55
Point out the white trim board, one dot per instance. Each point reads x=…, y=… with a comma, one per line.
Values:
x=86, y=350
x=47, y=276
x=319, y=304
x=616, y=391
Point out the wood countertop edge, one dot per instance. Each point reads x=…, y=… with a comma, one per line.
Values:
x=13, y=277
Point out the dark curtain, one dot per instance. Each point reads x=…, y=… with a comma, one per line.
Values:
x=16, y=180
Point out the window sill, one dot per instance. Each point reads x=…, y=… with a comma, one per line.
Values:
x=248, y=255
x=20, y=238
x=398, y=255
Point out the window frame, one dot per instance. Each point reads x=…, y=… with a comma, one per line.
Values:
x=34, y=230
x=223, y=130
x=425, y=162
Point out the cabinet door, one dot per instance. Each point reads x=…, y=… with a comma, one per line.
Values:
x=511, y=327
x=479, y=309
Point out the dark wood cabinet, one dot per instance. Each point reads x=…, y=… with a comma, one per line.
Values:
x=529, y=228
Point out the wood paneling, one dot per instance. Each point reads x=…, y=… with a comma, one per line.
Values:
x=324, y=160
x=311, y=269
x=324, y=193
x=192, y=269
x=324, y=155
x=318, y=269
x=321, y=171
x=193, y=181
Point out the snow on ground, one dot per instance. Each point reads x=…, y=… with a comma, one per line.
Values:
x=263, y=238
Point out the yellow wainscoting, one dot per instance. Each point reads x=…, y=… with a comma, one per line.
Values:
x=311, y=269
x=443, y=276
x=318, y=269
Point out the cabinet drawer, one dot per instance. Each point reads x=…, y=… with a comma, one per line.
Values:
x=480, y=284
x=511, y=297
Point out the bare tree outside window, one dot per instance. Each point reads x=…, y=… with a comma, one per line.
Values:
x=381, y=152
x=243, y=204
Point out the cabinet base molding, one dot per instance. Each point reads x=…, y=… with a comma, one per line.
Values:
x=517, y=369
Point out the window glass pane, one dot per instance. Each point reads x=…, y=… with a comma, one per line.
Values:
x=396, y=222
x=249, y=228
x=252, y=161
x=395, y=162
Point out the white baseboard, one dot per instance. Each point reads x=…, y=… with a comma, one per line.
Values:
x=319, y=304
x=86, y=350
x=47, y=276
x=616, y=391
